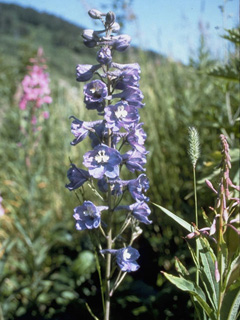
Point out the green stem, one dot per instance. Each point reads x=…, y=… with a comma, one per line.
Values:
x=1, y=314
x=100, y=279
x=109, y=232
x=196, y=221
x=219, y=256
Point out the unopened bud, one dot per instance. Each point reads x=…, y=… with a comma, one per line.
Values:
x=95, y=14
x=110, y=19
x=115, y=27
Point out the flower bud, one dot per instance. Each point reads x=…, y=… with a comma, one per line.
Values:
x=95, y=14
x=115, y=27
x=110, y=19
x=88, y=34
x=104, y=55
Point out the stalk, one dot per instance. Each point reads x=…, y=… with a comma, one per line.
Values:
x=109, y=235
x=196, y=220
x=194, y=153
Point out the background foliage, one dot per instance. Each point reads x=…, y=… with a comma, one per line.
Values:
x=47, y=267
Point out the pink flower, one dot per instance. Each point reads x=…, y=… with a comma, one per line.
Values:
x=36, y=84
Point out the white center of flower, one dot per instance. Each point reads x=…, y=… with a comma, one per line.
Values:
x=101, y=156
x=126, y=255
x=89, y=212
x=121, y=112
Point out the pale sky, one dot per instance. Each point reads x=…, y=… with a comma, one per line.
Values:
x=169, y=27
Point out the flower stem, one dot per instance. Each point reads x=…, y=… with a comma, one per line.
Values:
x=109, y=235
x=196, y=221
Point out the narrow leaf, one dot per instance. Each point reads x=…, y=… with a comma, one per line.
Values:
x=179, y=220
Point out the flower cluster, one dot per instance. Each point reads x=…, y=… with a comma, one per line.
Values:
x=35, y=87
x=113, y=92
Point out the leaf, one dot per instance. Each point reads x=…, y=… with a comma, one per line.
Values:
x=180, y=267
x=233, y=35
x=194, y=290
x=179, y=220
x=225, y=72
x=207, y=273
x=193, y=254
x=232, y=271
x=26, y=238
x=231, y=304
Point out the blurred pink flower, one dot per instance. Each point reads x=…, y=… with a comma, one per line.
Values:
x=36, y=84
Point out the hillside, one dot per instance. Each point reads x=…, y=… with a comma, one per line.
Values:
x=23, y=30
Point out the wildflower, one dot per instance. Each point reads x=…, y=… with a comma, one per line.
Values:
x=80, y=129
x=132, y=95
x=137, y=137
x=134, y=160
x=125, y=78
x=85, y=71
x=104, y=56
x=77, y=177
x=95, y=92
x=125, y=257
x=121, y=42
x=2, y=211
x=121, y=115
x=95, y=14
x=140, y=211
x=101, y=161
x=88, y=216
x=137, y=186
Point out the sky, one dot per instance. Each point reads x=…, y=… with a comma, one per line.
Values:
x=169, y=27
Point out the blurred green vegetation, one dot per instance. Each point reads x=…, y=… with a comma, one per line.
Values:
x=47, y=267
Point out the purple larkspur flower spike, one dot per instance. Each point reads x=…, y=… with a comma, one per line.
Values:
x=77, y=177
x=125, y=257
x=88, y=216
x=121, y=115
x=101, y=161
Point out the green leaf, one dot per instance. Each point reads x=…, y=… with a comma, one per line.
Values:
x=193, y=254
x=194, y=290
x=232, y=271
x=233, y=35
x=180, y=267
x=179, y=220
x=227, y=72
x=231, y=304
x=207, y=273
x=26, y=238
